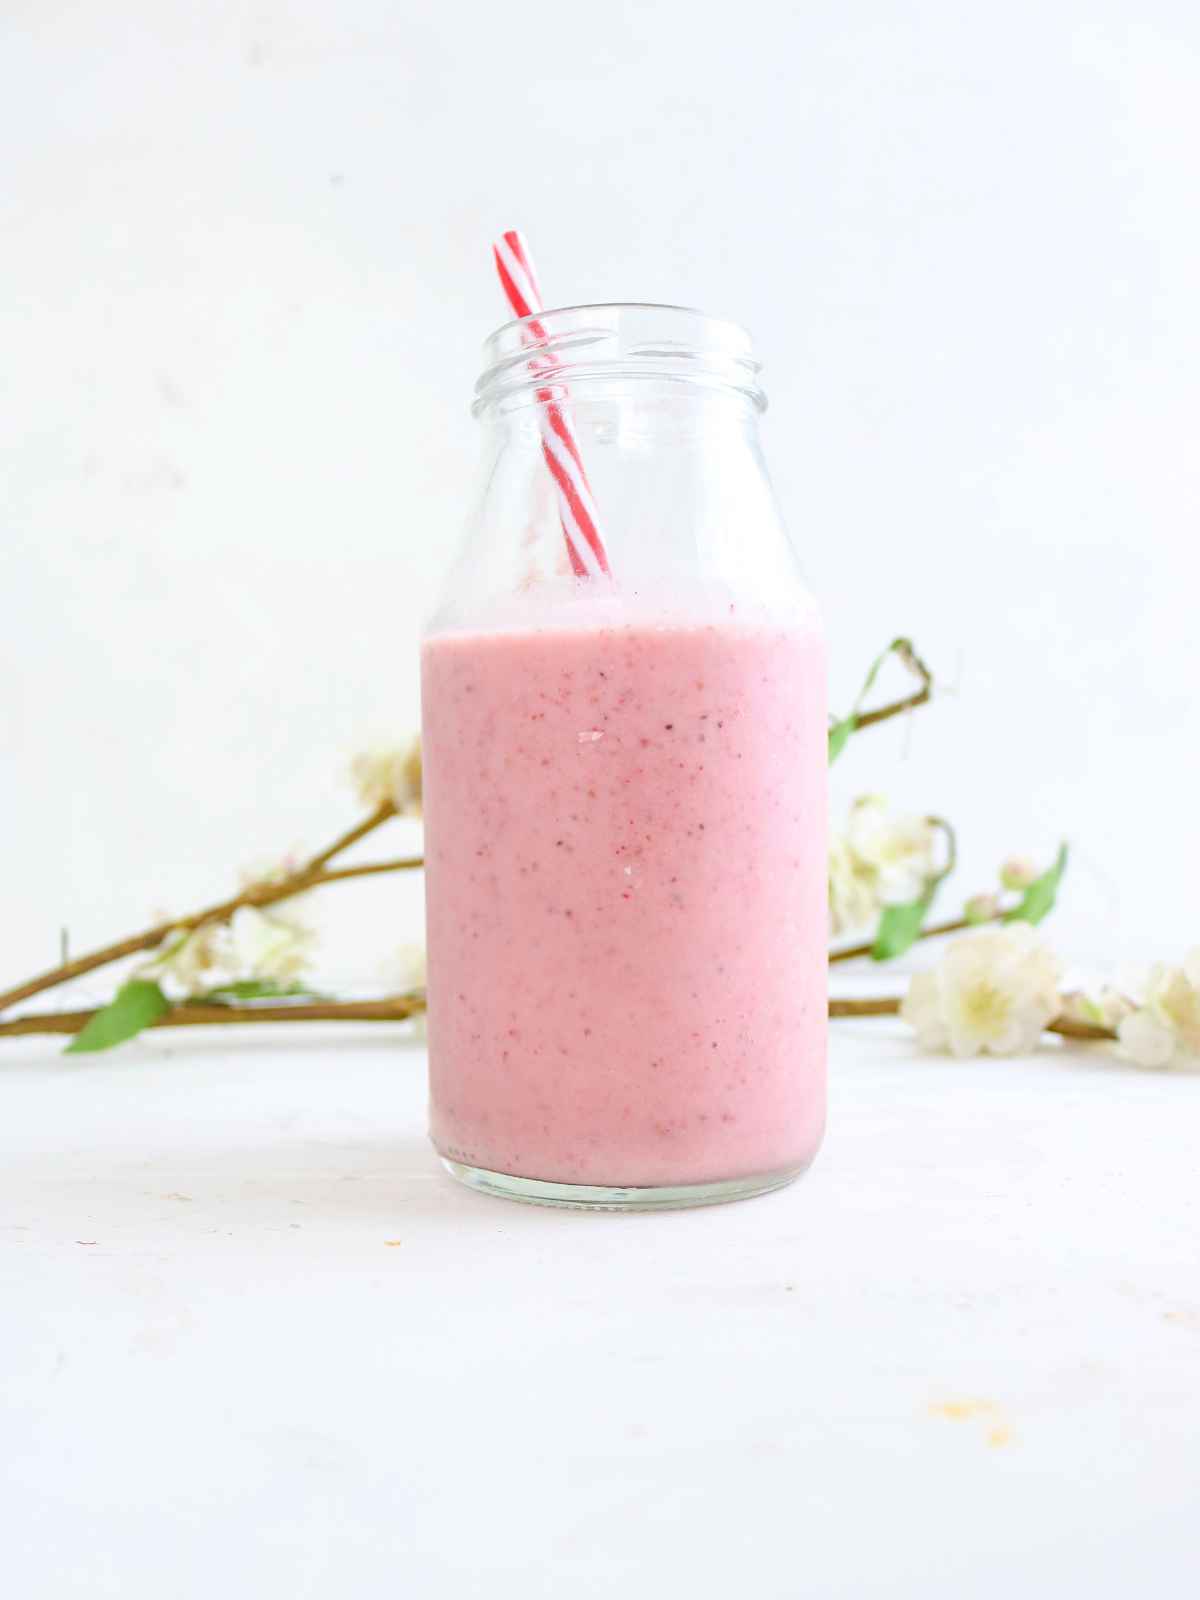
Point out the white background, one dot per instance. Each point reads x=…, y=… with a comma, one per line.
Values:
x=243, y=281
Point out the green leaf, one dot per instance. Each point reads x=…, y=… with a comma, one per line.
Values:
x=1038, y=900
x=900, y=927
x=135, y=1006
x=839, y=735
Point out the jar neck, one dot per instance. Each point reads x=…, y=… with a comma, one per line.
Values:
x=630, y=416
x=639, y=356
x=636, y=425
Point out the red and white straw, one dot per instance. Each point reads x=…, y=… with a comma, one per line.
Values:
x=576, y=508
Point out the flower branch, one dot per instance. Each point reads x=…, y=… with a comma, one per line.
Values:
x=390, y=1008
x=1066, y=1026
x=404, y=1007
x=389, y=783
x=996, y=991
x=935, y=930
x=263, y=893
x=902, y=649
x=232, y=963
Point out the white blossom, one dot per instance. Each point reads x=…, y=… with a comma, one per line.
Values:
x=267, y=946
x=994, y=990
x=1164, y=1029
x=189, y=959
x=897, y=853
x=853, y=902
x=1146, y=1040
x=408, y=968
x=253, y=944
x=390, y=772
x=879, y=860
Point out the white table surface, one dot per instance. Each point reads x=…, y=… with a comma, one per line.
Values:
x=254, y=1343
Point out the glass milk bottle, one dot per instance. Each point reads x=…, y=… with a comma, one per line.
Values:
x=625, y=786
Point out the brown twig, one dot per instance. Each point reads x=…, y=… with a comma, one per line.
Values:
x=352, y=835
x=880, y=1007
x=955, y=925
x=919, y=697
x=369, y=869
x=397, y=1008
x=1068, y=1028
x=394, y=1008
x=310, y=876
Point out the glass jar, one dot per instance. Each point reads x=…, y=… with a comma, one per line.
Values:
x=625, y=788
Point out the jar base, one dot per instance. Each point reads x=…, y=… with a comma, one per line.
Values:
x=606, y=1197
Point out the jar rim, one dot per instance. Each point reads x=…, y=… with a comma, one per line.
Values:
x=629, y=339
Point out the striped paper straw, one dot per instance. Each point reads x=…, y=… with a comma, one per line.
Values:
x=576, y=508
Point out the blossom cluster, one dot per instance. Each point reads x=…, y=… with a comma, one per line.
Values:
x=995, y=990
x=390, y=773
x=253, y=946
x=1161, y=1027
x=880, y=859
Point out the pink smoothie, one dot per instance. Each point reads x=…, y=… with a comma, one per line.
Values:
x=626, y=860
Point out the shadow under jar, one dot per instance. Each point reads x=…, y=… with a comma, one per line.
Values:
x=625, y=789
